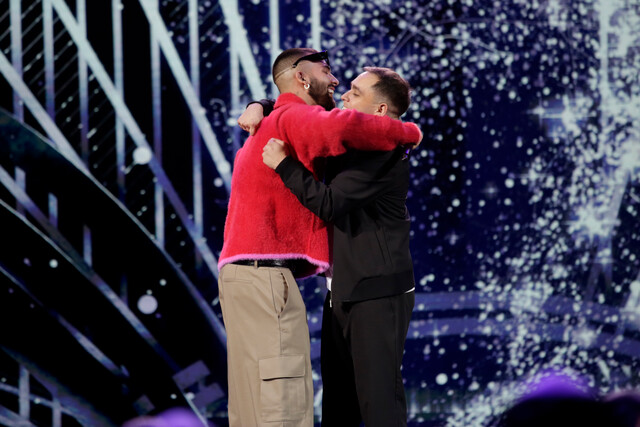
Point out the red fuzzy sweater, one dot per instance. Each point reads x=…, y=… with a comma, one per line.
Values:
x=265, y=220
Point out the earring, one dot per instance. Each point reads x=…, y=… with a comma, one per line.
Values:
x=306, y=86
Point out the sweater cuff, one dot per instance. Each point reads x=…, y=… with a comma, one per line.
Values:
x=267, y=105
x=413, y=131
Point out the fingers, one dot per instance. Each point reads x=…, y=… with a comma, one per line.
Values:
x=275, y=145
x=247, y=128
x=243, y=125
x=276, y=141
x=272, y=153
x=271, y=146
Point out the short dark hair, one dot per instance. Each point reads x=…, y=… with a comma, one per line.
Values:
x=393, y=88
x=287, y=58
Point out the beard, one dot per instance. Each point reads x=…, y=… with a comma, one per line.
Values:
x=321, y=95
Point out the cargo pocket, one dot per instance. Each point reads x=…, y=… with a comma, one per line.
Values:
x=282, y=387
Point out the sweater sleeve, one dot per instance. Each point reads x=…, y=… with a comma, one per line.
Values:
x=314, y=132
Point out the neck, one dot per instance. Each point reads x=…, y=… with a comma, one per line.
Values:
x=305, y=96
x=302, y=93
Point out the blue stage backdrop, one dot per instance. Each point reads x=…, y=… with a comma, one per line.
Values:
x=117, y=139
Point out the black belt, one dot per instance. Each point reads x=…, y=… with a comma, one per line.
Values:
x=279, y=263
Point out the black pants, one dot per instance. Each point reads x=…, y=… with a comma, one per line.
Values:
x=361, y=354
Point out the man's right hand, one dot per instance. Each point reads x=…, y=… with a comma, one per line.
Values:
x=251, y=118
x=274, y=152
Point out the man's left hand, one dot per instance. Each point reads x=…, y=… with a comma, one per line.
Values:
x=251, y=118
x=274, y=152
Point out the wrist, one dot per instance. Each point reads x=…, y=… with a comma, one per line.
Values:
x=282, y=164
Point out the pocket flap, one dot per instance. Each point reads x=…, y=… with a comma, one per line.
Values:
x=286, y=366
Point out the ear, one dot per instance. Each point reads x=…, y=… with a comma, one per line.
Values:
x=382, y=109
x=300, y=77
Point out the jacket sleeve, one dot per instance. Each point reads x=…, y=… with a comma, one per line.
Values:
x=267, y=105
x=350, y=189
x=314, y=132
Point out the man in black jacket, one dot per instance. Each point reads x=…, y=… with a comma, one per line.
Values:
x=368, y=308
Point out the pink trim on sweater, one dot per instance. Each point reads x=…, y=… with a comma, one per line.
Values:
x=321, y=265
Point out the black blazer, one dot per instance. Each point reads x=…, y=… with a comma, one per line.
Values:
x=364, y=199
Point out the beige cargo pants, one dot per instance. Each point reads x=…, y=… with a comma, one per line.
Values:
x=268, y=350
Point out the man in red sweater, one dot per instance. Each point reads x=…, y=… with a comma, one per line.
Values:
x=270, y=238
